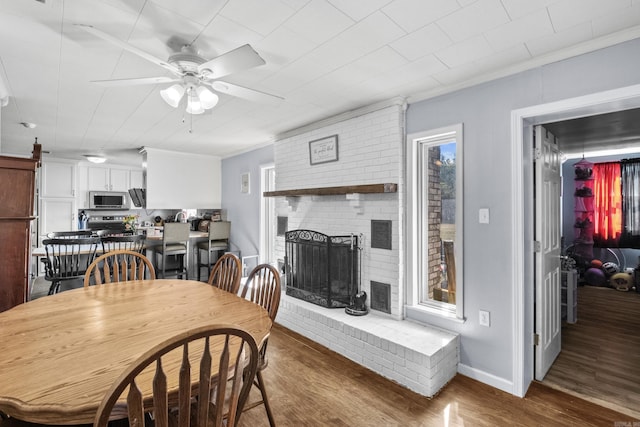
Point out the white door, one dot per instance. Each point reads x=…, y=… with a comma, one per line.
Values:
x=547, y=255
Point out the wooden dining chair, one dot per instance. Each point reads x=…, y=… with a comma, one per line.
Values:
x=263, y=288
x=67, y=259
x=226, y=273
x=119, y=266
x=228, y=357
x=69, y=234
x=132, y=242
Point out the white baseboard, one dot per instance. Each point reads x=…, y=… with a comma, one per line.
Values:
x=486, y=378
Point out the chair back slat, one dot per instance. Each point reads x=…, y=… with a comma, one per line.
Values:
x=68, y=258
x=119, y=266
x=132, y=242
x=76, y=234
x=160, y=400
x=174, y=383
x=226, y=273
x=205, y=383
x=264, y=288
x=135, y=408
x=184, y=416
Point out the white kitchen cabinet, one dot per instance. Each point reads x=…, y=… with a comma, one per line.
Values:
x=58, y=178
x=108, y=178
x=136, y=179
x=57, y=215
x=57, y=202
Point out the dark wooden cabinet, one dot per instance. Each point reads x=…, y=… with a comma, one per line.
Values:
x=17, y=188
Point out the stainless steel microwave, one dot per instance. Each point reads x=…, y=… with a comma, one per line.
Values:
x=108, y=200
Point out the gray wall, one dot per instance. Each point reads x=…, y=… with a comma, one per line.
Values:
x=485, y=111
x=243, y=210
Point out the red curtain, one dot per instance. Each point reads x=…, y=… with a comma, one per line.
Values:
x=608, y=201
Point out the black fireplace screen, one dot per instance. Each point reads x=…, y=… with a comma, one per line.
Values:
x=321, y=269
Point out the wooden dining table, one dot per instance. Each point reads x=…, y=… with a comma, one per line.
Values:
x=61, y=353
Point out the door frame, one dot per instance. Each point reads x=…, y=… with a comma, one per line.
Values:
x=522, y=259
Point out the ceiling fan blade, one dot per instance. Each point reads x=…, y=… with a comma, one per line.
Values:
x=132, y=82
x=235, y=60
x=245, y=93
x=130, y=48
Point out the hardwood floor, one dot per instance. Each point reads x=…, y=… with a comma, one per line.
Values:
x=309, y=385
x=600, y=357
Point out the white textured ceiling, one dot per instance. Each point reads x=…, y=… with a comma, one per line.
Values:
x=323, y=56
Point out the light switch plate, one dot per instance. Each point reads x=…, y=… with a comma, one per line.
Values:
x=485, y=318
x=483, y=216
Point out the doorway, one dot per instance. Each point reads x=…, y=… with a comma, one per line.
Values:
x=595, y=362
x=524, y=204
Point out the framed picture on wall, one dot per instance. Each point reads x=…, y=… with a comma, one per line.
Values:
x=244, y=183
x=323, y=150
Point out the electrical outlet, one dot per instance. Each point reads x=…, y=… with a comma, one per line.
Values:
x=485, y=318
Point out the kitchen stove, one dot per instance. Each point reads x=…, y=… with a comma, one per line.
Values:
x=106, y=222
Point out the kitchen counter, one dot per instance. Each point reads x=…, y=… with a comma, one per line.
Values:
x=154, y=239
x=155, y=233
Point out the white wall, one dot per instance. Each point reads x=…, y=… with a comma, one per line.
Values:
x=182, y=180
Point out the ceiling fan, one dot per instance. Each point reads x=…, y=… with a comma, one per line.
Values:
x=194, y=75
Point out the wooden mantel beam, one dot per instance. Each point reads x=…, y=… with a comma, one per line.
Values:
x=333, y=191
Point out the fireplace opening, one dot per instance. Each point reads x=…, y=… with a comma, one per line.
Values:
x=321, y=269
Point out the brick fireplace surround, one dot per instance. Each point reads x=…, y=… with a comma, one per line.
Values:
x=370, y=151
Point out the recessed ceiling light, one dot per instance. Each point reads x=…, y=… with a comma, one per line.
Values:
x=28, y=125
x=95, y=158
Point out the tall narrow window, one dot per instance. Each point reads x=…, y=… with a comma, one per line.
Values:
x=435, y=203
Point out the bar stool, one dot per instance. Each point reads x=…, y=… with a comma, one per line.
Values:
x=218, y=240
x=175, y=242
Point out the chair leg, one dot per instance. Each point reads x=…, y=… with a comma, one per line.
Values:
x=53, y=287
x=164, y=262
x=198, y=259
x=267, y=408
x=185, y=259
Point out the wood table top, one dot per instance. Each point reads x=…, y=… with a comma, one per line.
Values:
x=61, y=353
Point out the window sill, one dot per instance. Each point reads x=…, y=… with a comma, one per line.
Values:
x=423, y=314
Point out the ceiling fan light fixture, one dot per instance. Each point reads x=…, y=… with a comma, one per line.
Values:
x=207, y=98
x=194, y=106
x=172, y=95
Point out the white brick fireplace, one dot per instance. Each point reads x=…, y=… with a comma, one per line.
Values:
x=369, y=152
x=370, y=145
